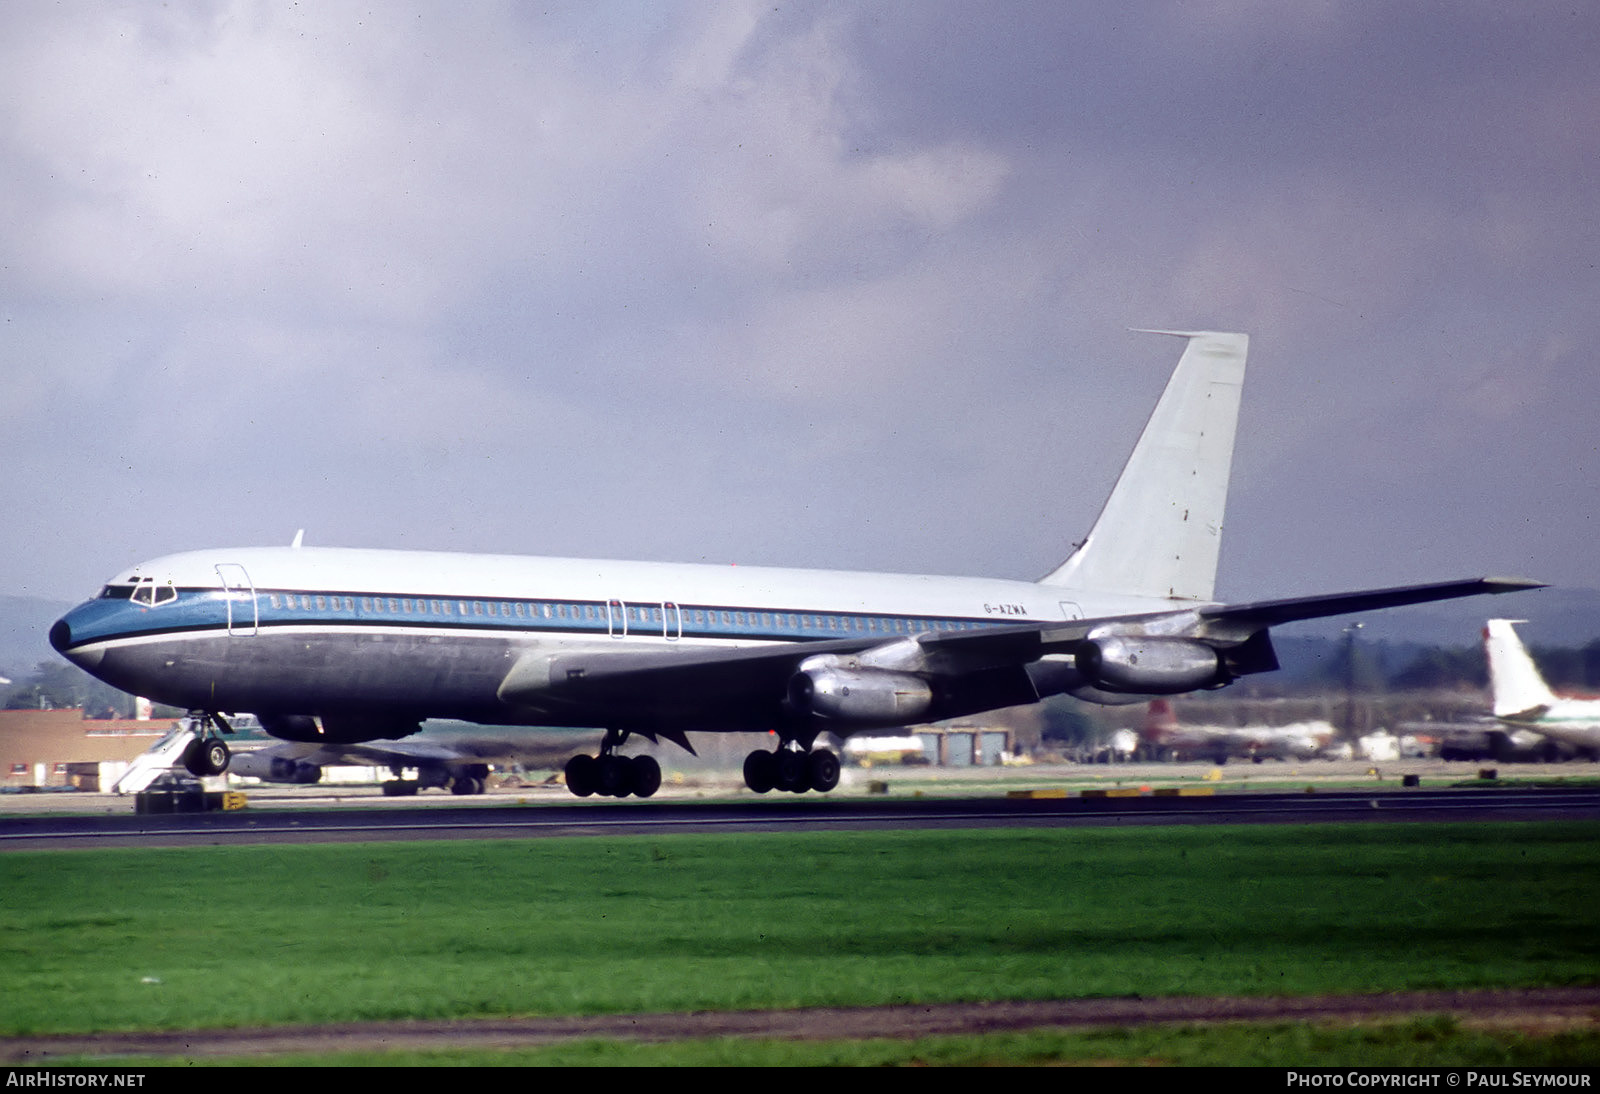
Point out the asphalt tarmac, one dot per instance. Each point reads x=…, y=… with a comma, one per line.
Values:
x=900, y=797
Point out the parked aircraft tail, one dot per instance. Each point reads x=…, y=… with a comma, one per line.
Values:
x=1513, y=679
x=1159, y=720
x=1161, y=529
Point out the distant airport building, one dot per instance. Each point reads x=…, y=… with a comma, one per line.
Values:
x=942, y=746
x=61, y=748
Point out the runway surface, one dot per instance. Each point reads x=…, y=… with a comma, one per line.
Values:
x=508, y=816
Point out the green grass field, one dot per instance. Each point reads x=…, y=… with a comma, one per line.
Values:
x=194, y=938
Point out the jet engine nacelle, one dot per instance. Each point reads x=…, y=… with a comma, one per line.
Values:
x=290, y=771
x=278, y=769
x=291, y=727
x=861, y=696
x=1149, y=666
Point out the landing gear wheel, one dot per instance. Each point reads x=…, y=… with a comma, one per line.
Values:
x=193, y=762
x=794, y=771
x=205, y=756
x=614, y=776
x=824, y=770
x=761, y=771
x=646, y=776
x=581, y=775
x=466, y=784
x=400, y=788
x=214, y=755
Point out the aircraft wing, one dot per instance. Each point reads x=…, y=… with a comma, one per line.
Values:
x=974, y=670
x=281, y=762
x=385, y=753
x=1270, y=613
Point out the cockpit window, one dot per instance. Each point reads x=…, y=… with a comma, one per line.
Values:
x=116, y=592
x=147, y=592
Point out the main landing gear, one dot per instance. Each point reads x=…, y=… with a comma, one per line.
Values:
x=613, y=776
x=791, y=768
x=207, y=754
x=470, y=779
x=461, y=780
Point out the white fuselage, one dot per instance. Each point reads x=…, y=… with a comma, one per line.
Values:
x=408, y=635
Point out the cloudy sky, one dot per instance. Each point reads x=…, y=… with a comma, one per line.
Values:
x=810, y=284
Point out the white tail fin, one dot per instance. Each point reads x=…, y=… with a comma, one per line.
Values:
x=1513, y=679
x=1161, y=530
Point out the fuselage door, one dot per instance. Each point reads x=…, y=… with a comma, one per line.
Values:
x=1069, y=610
x=617, y=618
x=671, y=621
x=239, y=594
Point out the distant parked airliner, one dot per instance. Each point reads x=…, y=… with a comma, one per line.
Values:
x=1522, y=700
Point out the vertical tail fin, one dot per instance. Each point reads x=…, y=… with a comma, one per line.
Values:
x=1513, y=679
x=1159, y=721
x=1161, y=530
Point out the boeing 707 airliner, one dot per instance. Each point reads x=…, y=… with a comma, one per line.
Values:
x=328, y=646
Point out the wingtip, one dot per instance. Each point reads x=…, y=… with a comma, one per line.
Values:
x=1169, y=333
x=1188, y=333
x=1512, y=584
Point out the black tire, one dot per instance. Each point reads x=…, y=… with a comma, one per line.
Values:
x=646, y=776
x=214, y=755
x=194, y=759
x=794, y=771
x=581, y=775
x=824, y=770
x=614, y=776
x=761, y=771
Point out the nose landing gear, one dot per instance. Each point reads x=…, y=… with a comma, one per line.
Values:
x=207, y=754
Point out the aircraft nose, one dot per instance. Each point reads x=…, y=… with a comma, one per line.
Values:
x=61, y=639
